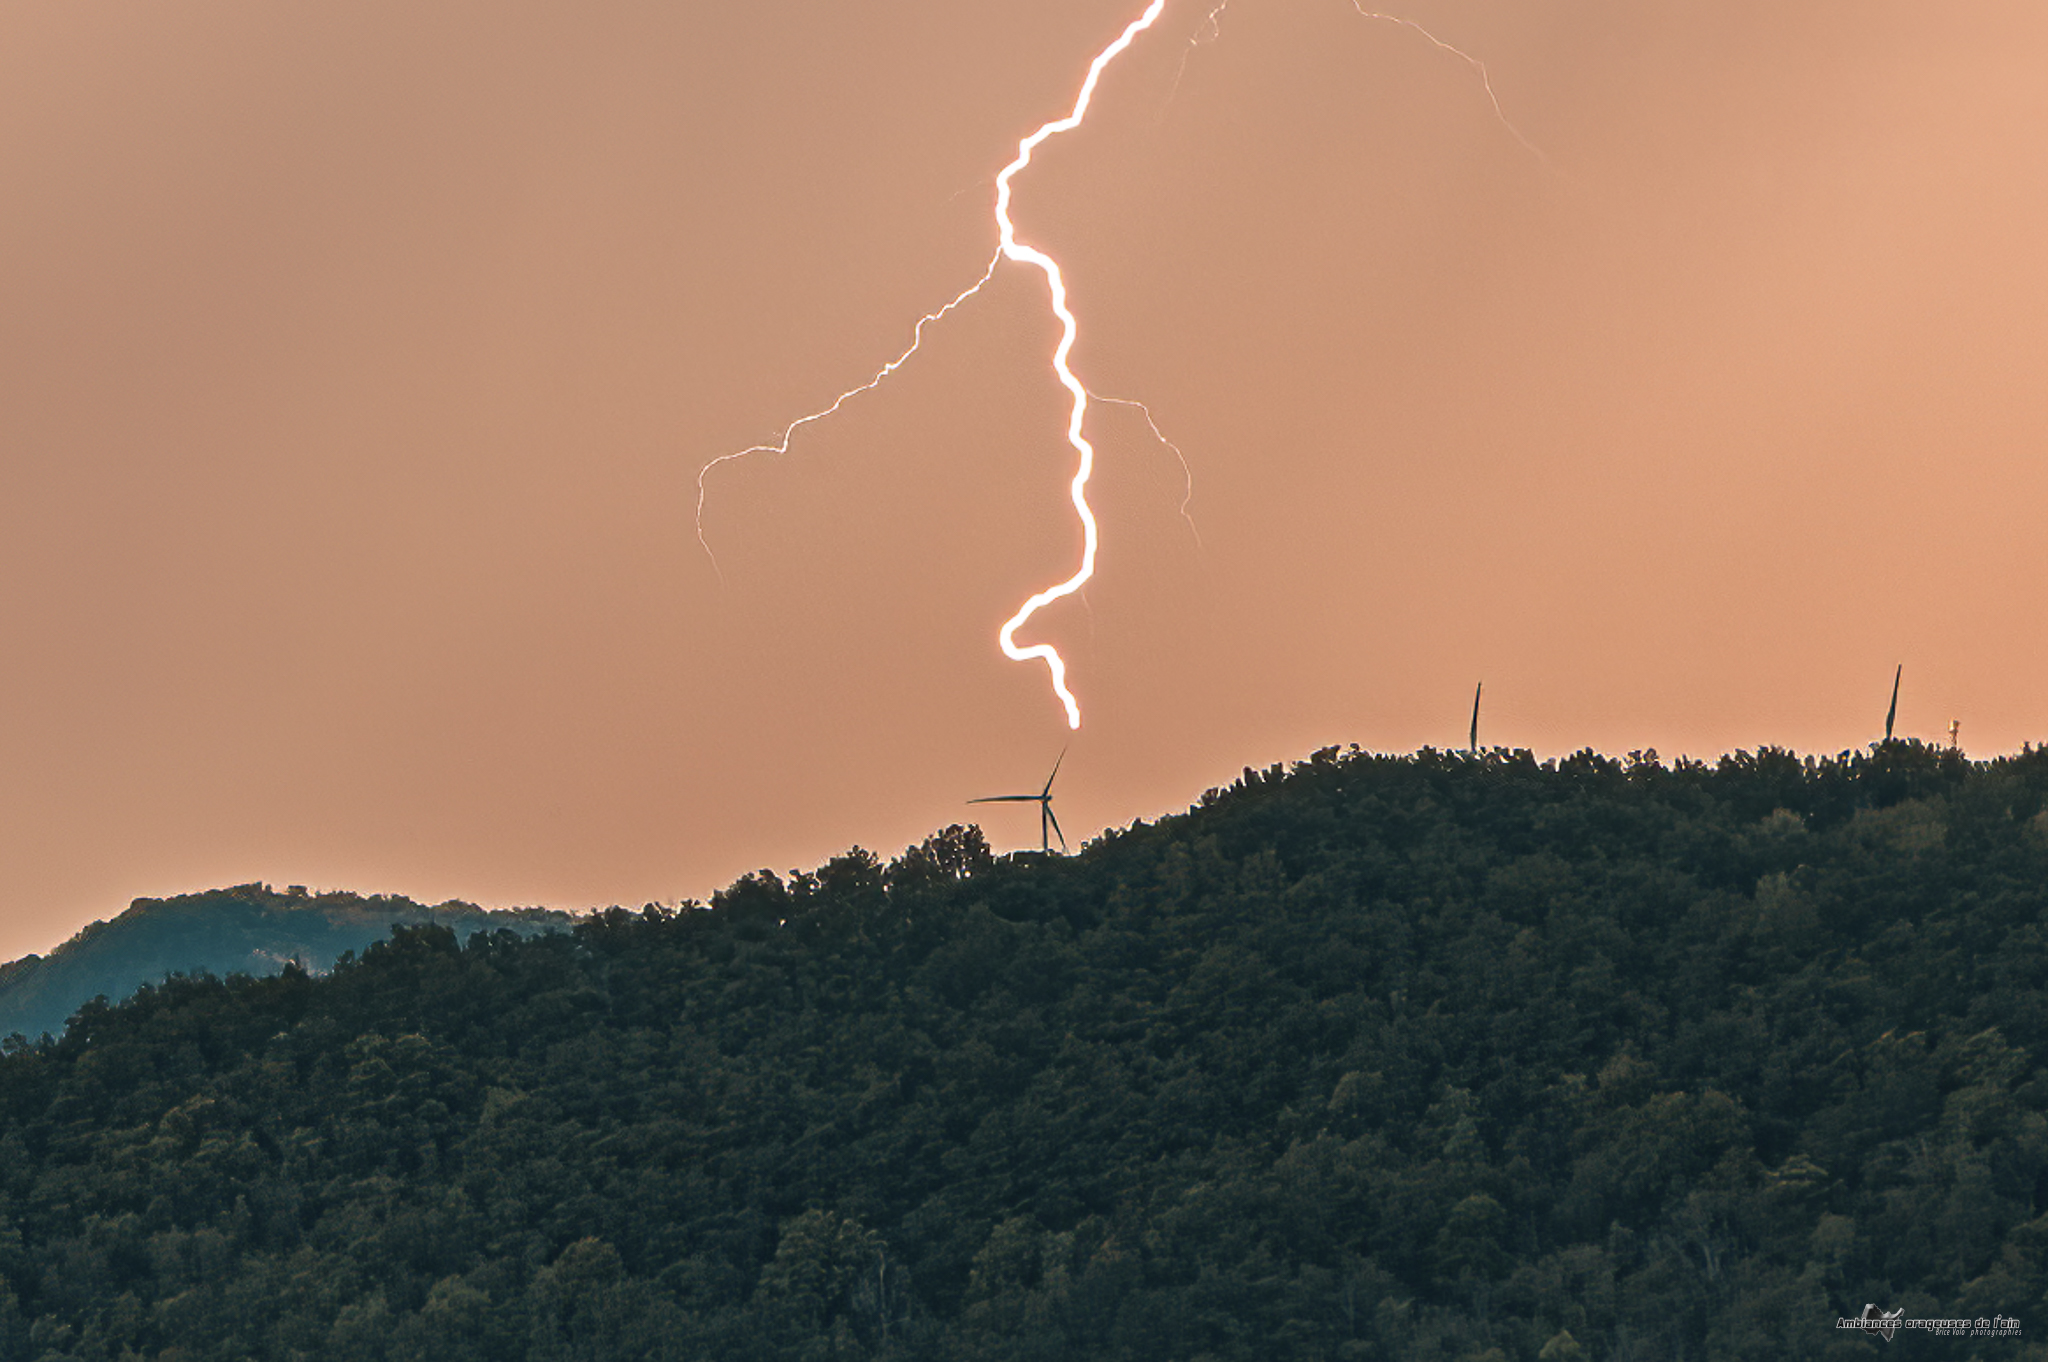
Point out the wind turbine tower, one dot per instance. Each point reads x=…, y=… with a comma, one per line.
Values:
x=1048, y=825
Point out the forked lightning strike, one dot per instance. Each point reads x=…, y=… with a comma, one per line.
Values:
x=1056, y=286
x=1010, y=248
x=1478, y=68
x=1187, y=474
x=1211, y=30
x=780, y=444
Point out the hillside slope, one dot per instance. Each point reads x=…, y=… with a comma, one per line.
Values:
x=1477, y=1059
x=247, y=929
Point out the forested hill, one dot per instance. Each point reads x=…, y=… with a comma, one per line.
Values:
x=1433, y=1057
x=249, y=929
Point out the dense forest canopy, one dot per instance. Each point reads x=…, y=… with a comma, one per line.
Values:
x=1439, y=1056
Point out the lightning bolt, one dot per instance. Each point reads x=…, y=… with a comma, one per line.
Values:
x=780, y=444
x=1478, y=69
x=1187, y=475
x=1056, y=289
x=1011, y=249
x=1211, y=30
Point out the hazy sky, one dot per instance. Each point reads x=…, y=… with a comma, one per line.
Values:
x=357, y=362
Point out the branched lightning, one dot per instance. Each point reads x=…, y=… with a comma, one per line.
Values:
x=1478, y=68
x=1056, y=286
x=1210, y=30
x=1187, y=475
x=1010, y=248
x=780, y=444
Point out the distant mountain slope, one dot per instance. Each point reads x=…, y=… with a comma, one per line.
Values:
x=1436, y=1058
x=248, y=929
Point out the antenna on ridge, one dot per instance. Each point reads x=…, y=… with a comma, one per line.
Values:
x=1473, y=742
x=1893, y=713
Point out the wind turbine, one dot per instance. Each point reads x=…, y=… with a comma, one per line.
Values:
x=1048, y=825
x=1893, y=713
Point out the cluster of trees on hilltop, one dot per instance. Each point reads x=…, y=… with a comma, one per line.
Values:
x=1436, y=1057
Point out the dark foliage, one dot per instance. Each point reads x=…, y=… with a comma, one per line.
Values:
x=1435, y=1057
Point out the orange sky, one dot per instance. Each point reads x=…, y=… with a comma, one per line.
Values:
x=356, y=363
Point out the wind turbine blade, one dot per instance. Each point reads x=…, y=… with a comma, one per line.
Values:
x=1005, y=799
x=1053, y=818
x=1476, y=692
x=1055, y=771
x=1893, y=713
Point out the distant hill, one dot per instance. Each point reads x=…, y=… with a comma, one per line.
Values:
x=1450, y=1057
x=248, y=929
